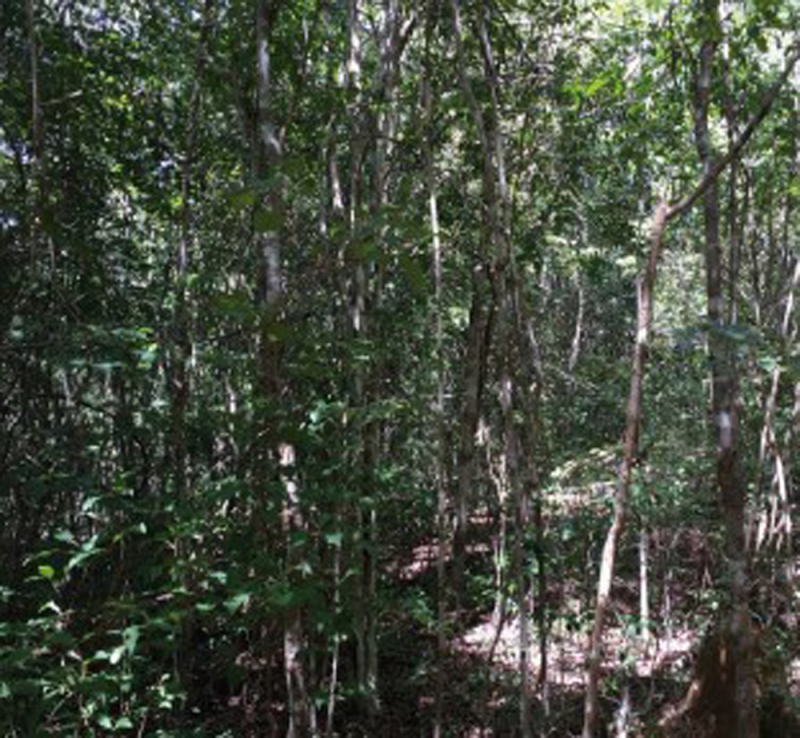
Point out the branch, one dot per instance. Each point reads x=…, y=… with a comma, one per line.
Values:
x=714, y=172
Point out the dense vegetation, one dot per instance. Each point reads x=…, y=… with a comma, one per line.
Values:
x=399, y=367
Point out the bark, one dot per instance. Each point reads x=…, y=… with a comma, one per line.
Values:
x=336, y=606
x=480, y=324
x=474, y=371
x=734, y=220
x=724, y=379
x=268, y=154
x=644, y=583
x=521, y=524
x=38, y=190
x=575, y=350
x=302, y=716
x=535, y=379
x=439, y=401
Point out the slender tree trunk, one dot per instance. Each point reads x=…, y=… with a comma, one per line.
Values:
x=621, y=499
x=336, y=606
x=526, y=338
x=38, y=180
x=391, y=43
x=302, y=715
x=722, y=354
x=575, y=349
x=181, y=344
x=275, y=452
x=331, y=190
x=357, y=328
x=775, y=527
x=480, y=321
x=521, y=525
x=734, y=220
x=497, y=247
x=442, y=535
x=477, y=348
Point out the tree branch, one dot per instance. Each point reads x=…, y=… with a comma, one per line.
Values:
x=714, y=172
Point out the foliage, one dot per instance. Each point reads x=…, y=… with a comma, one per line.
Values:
x=159, y=541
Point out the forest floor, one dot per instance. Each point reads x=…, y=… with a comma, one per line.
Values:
x=479, y=671
x=642, y=683
x=644, y=679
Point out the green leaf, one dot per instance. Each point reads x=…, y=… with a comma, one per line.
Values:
x=130, y=638
x=414, y=274
x=47, y=571
x=768, y=363
x=237, y=602
x=242, y=199
x=60, y=639
x=88, y=550
x=363, y=249
x=116, y=655
x=147, y=356
x=282, y=596
x=104, y=721
x=267, y=220
x=596, y=84
x=305, y=568
x=334, y=539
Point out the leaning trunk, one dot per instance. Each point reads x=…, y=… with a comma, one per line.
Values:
x=622, y=496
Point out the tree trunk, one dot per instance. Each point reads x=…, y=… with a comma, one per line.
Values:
x=181, y=344
x=622, y=496
x=273, y=451
x=442, y=534
x=644, y=583
x=480, y=322
x=37, y=189
x=724, y=379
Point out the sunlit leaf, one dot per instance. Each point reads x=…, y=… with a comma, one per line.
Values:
x=237, y=602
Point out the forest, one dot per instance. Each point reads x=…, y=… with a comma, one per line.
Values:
x=400, y=368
